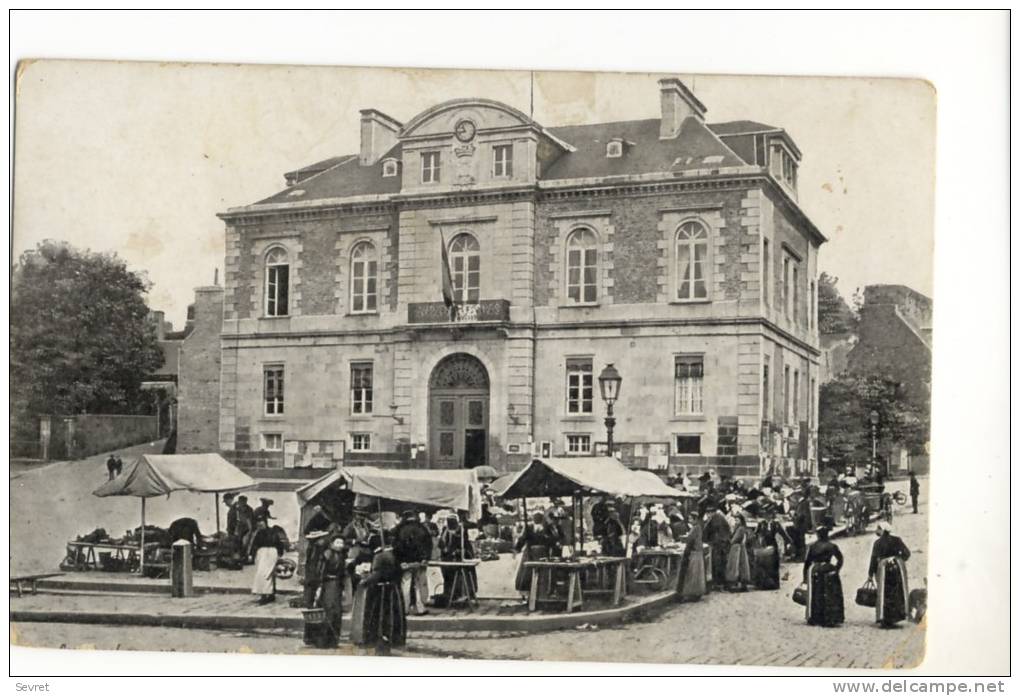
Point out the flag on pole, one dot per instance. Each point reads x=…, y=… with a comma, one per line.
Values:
x=448, y=298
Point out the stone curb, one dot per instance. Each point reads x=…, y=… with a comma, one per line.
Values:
x=462, y=626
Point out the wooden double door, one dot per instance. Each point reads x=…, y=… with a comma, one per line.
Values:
x=458, y=428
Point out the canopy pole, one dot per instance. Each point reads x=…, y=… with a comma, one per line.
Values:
x=382, y=532
x=580, y=513
x=217, y=514
x=141, y=556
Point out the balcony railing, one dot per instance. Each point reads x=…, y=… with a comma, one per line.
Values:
x=439, y=313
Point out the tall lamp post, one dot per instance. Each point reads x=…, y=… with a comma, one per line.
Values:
x=609, y=385
x=874, y=438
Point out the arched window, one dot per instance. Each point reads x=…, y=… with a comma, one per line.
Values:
x=364, y=278
x=691, y=261
x=582, y=266
x=465, y=267
x=277, y=282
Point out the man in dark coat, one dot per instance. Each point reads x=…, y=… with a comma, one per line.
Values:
x=612, y=539
x=915, y=490
x=454, y=546
x=412, y=544
x=245, y=528
x=717, y=536
x=801, y=526
x=185, y=528
x=111, y=467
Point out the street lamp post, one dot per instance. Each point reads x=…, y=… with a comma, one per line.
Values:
x=609, y=385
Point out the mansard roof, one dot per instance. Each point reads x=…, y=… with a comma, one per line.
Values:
x=698, y=146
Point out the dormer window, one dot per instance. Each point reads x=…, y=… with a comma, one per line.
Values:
x=389, y=167
x=783, y=166
x=614, y=148
x=502, y=161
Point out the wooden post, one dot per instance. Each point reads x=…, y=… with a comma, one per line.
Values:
x=382, y=532
x=217, y=515
x=141, y=557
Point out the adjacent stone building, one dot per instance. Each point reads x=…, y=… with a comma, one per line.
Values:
x=672, y=248
x=894, y=341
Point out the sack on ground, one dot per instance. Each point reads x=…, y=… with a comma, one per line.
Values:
x=800, y=595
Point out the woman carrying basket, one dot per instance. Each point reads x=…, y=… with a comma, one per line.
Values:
x=824, y=606
x=888, y=569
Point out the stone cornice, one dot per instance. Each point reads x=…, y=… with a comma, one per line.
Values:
x=593, y=324
x=595, y=187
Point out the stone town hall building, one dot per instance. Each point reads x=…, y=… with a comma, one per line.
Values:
x=670, y=247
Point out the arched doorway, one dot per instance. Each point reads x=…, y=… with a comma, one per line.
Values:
x=458, y=412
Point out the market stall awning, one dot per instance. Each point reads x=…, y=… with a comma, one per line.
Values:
x=160, y=474
x=563, y=476
x=458, y=489
x=499, y=485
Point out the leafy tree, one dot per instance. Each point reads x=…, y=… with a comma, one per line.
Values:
x=844, y=418
x=834, y=314
x=81, y=341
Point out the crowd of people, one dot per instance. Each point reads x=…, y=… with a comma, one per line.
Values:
x=386, y=569
x=730, y=535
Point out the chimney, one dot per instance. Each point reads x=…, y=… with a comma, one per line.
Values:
x=677, y=103
x=378, y=135
x=159, y=322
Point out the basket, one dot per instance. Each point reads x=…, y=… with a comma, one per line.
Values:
x=867, y=595
x=316, y=615
x=800, y=595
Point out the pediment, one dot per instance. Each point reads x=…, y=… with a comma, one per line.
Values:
x=440, y=120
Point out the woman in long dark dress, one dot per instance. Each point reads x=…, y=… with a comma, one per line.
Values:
x=691, y=583
x=825, y=591
x=888, y=569
x=332, y=565
x=767, y=556
x=738, y=561
x=378, y=617
x=612, y=539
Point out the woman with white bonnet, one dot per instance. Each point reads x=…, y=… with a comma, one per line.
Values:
x=888, y=570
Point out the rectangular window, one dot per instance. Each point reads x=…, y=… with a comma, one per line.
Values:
x=796, y=294
x=765, y=267
x=273, y=389
x=272, y=442
x=580, y=386
x=688, y=444
x=811, y=306
x=786, y=395
x=796, y=396
x=765, y=390
x=689, y=380
x=430, y=167
x=277, y=287
x=786, y=285
x=578, y=444
x=811, y=405
x=503, y=161
x=361, y=388
x=361, y=442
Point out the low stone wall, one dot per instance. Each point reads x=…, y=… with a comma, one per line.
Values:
x=76, y=437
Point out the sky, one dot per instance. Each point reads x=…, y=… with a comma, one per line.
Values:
x=137, y=158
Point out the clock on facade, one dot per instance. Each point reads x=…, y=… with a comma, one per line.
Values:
x=464, y=130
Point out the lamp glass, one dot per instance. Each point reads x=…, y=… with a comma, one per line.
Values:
x=609, y=383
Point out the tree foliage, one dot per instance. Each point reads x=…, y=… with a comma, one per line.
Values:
x=81, y=341
x=844, y=419
x=835, y=316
